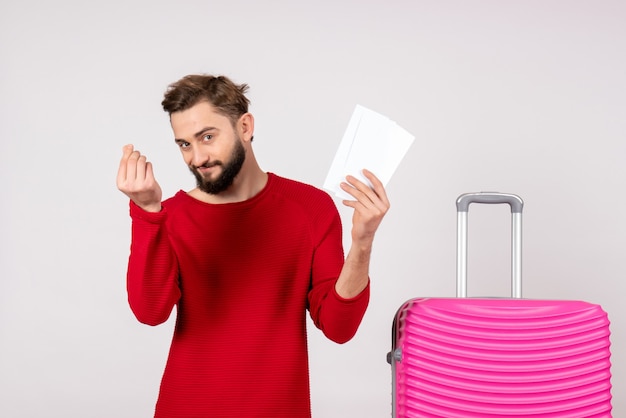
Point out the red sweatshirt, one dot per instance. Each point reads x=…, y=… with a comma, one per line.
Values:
x=242, y=276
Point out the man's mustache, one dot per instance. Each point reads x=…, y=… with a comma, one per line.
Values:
x=206, y=165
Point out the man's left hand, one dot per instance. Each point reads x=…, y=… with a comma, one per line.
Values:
x=370, y=206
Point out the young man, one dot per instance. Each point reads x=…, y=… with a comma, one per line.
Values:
x=242, y=256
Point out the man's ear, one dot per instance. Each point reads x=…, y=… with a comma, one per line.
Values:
x=246, y=127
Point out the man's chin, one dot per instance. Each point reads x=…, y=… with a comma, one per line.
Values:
x=213, y=187
x=207, y=177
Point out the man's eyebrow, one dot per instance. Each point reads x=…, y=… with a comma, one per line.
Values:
x=198, y=134
x=204, y=130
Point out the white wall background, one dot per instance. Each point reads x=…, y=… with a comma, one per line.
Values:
x=527, y=97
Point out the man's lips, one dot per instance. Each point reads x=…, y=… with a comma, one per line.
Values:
x=206, y=168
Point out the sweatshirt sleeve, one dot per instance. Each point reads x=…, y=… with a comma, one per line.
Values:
x=152, y=276
x=338, y=318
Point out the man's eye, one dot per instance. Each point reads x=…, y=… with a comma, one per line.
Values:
x=183, y=144
x=207, y=137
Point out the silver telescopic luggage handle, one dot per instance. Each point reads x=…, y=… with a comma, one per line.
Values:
x=462, y=205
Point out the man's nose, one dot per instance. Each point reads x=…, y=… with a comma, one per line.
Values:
x=198, y=157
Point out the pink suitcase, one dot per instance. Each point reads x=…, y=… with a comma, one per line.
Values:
x=499, y=357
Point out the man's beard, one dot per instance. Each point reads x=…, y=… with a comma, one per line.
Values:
x=230, y=169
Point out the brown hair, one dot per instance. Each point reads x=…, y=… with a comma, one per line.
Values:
x=227, y=97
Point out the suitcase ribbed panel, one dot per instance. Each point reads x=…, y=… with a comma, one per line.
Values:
x=470, y=358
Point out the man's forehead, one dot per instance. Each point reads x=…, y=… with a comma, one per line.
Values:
x=201, y=115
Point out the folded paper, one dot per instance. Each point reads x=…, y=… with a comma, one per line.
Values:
x=371, y=141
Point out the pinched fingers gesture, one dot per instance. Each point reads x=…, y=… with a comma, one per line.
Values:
x=370, y=206
x=135, y=179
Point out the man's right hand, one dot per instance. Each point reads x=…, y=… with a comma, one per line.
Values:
x=136, y=180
